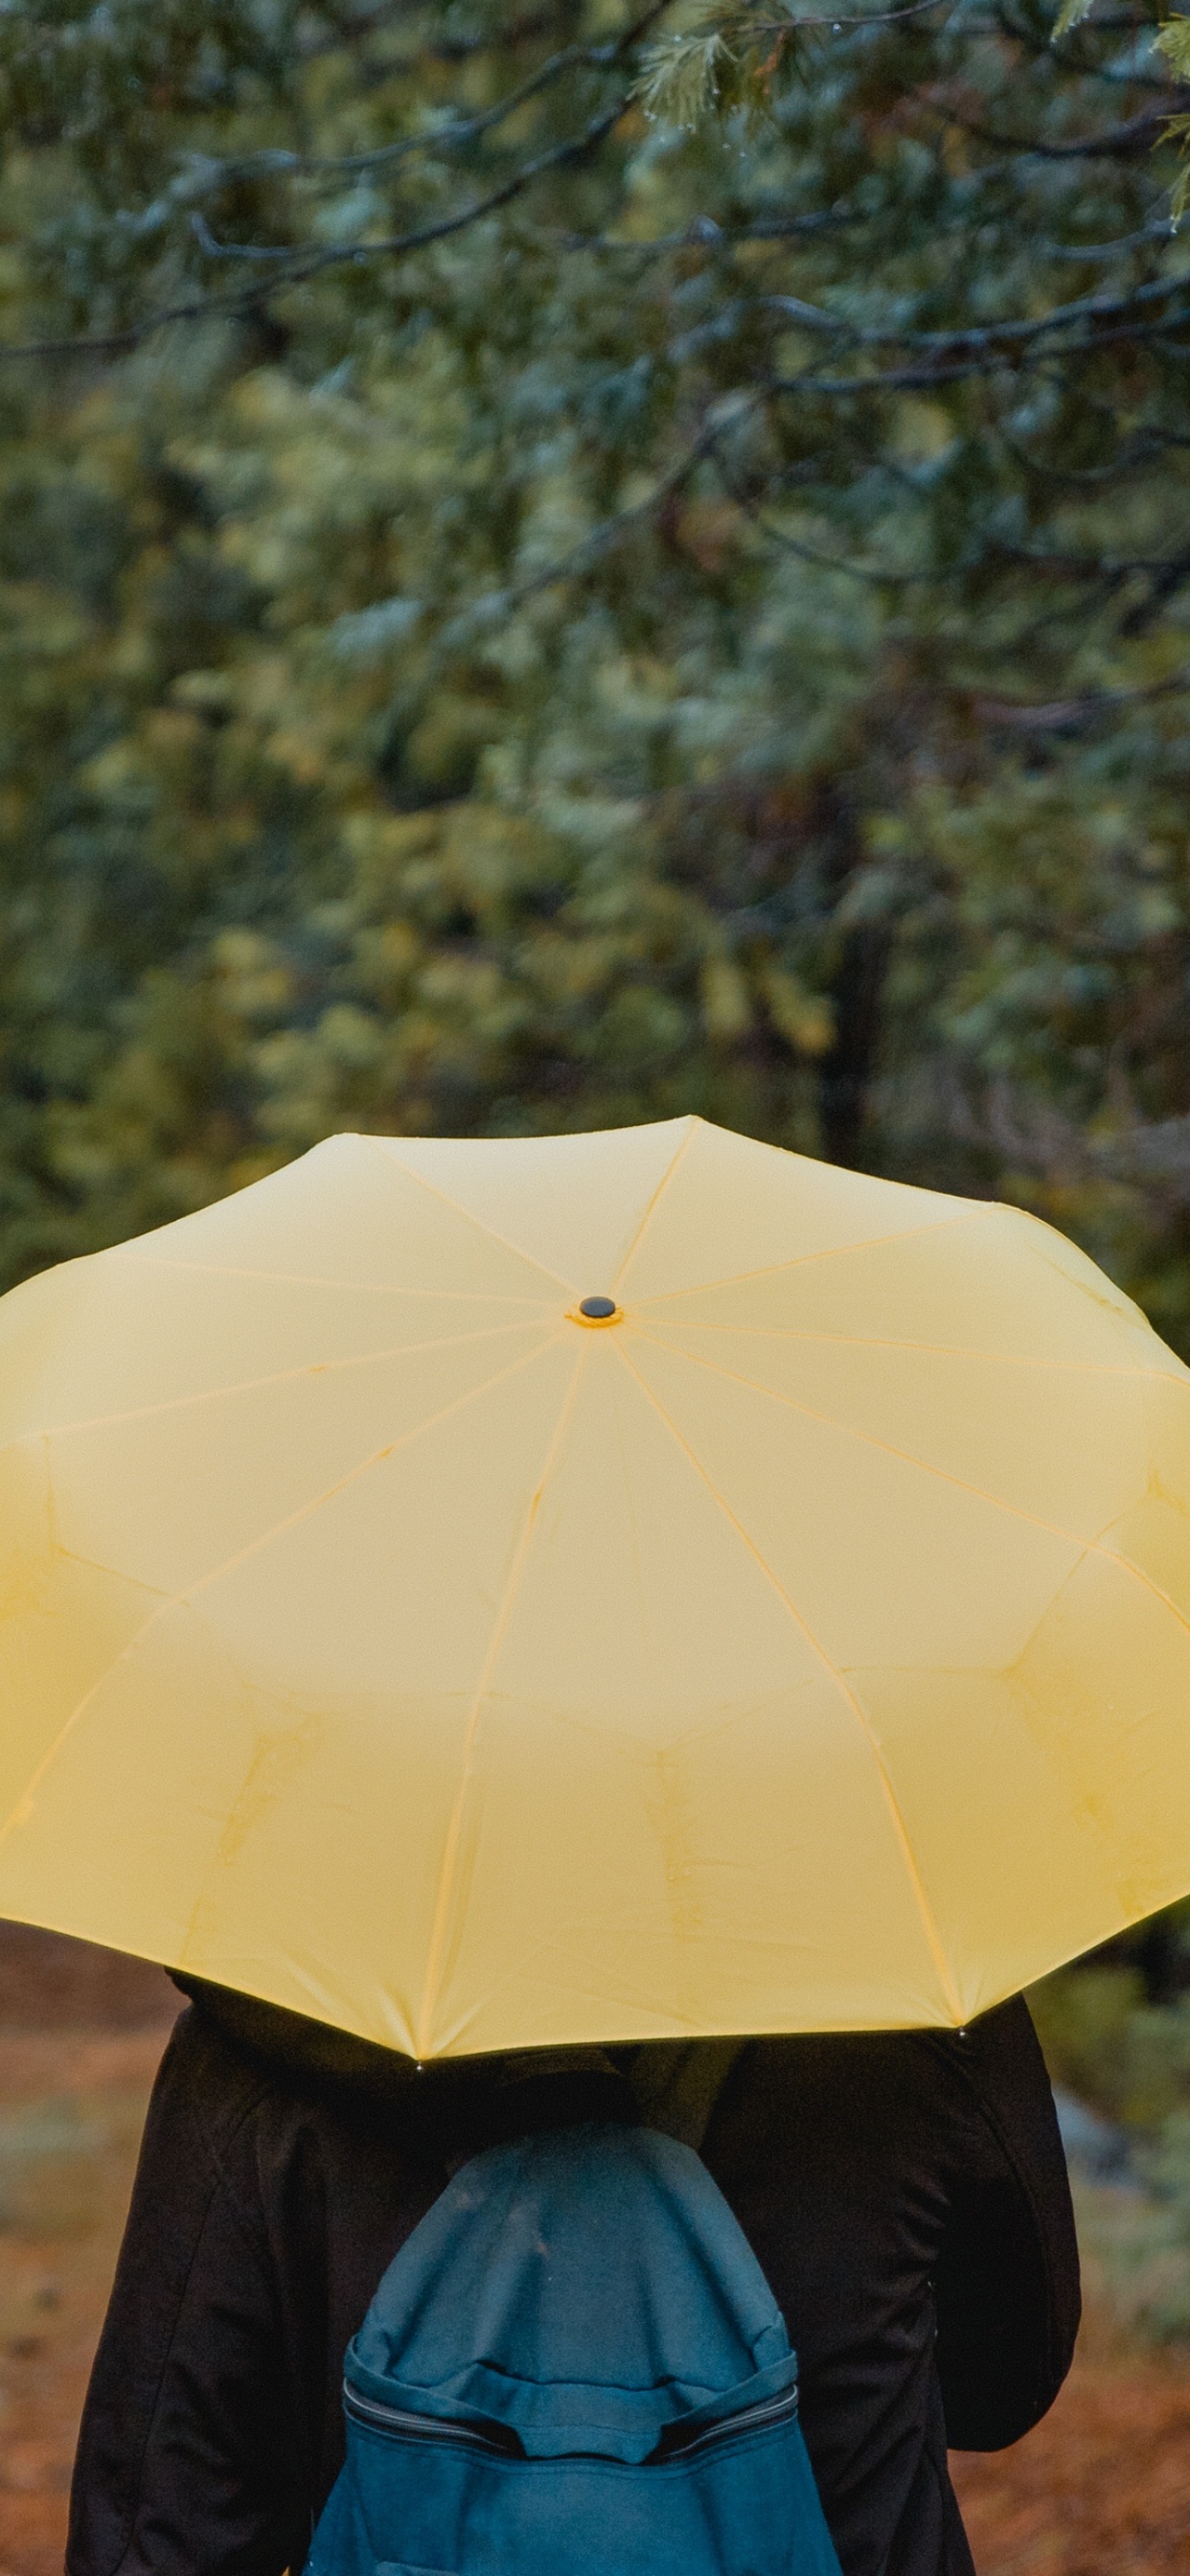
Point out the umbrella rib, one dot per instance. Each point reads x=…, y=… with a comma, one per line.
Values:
x=1177, y=1376
x=888, y=1449
x=1033, y=1520
x=650, y=1209
x=830, y=1252
x=312, y=1279
x=192, y=1591
x=450, y=1849
x=638, y=1998
x=458, y=1209
x=854, y=1703
x=253, y=1385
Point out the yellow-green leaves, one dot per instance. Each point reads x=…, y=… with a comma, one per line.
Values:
x=716, y=57
x=1173, y=40
x=710, y=634
x=1070, y=15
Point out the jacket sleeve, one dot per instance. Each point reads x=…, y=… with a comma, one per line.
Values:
x=1007, y=2282
x=184, y=2453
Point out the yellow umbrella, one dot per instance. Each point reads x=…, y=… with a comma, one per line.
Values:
x=503, y=1593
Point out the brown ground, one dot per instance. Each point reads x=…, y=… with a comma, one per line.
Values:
x=1101, y=2489
x=80, y=2036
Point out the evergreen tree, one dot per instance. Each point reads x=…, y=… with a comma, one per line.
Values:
x=562, y=567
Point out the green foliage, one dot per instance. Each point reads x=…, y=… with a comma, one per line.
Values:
x=713, y=59
x=1127, y=2057
x=706, y=631
x=1173, y=40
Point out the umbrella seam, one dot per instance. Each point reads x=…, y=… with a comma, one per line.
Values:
x=940, y=1350
x=446, y=1876
x=469, y=1218
x=943, y=1475
x=830, y=1252
x=650, y=1210
x=252, y=1385
x=191, y=1592
x=311, y=1278
x=925, y=1910
x=642, y=1999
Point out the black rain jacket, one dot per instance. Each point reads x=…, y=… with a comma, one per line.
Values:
x=905, y=2193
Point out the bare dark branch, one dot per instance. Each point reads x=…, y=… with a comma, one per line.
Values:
x=308, y=263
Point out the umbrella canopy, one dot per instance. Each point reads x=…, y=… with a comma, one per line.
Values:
x=505, y=1593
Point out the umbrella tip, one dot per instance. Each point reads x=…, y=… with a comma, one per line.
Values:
x=597, y=1310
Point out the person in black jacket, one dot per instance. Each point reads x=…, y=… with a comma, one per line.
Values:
x=905, y=2193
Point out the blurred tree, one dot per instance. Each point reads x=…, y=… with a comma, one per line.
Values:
x=564, y=565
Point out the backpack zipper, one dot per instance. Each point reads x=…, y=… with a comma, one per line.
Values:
x=766, y=2410
x=503, y=2443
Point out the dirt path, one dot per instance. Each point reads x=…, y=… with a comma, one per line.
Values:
x=71, y=2108
x=1102, y=2488
x=81, y=2032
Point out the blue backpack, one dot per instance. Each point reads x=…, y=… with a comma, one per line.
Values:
x=574, y=2367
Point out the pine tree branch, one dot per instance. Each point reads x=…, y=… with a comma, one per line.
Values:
x=1160, y=231
x=705, y=235
x=793, y=24
x=975, y=347
x=1164, y=568
x=1068, y=715
x=461, y=616
x=212, y=175
x=980, y=363
x=441, y=49
x=1126, y=141
x=1148, y=446
x=307, y=264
